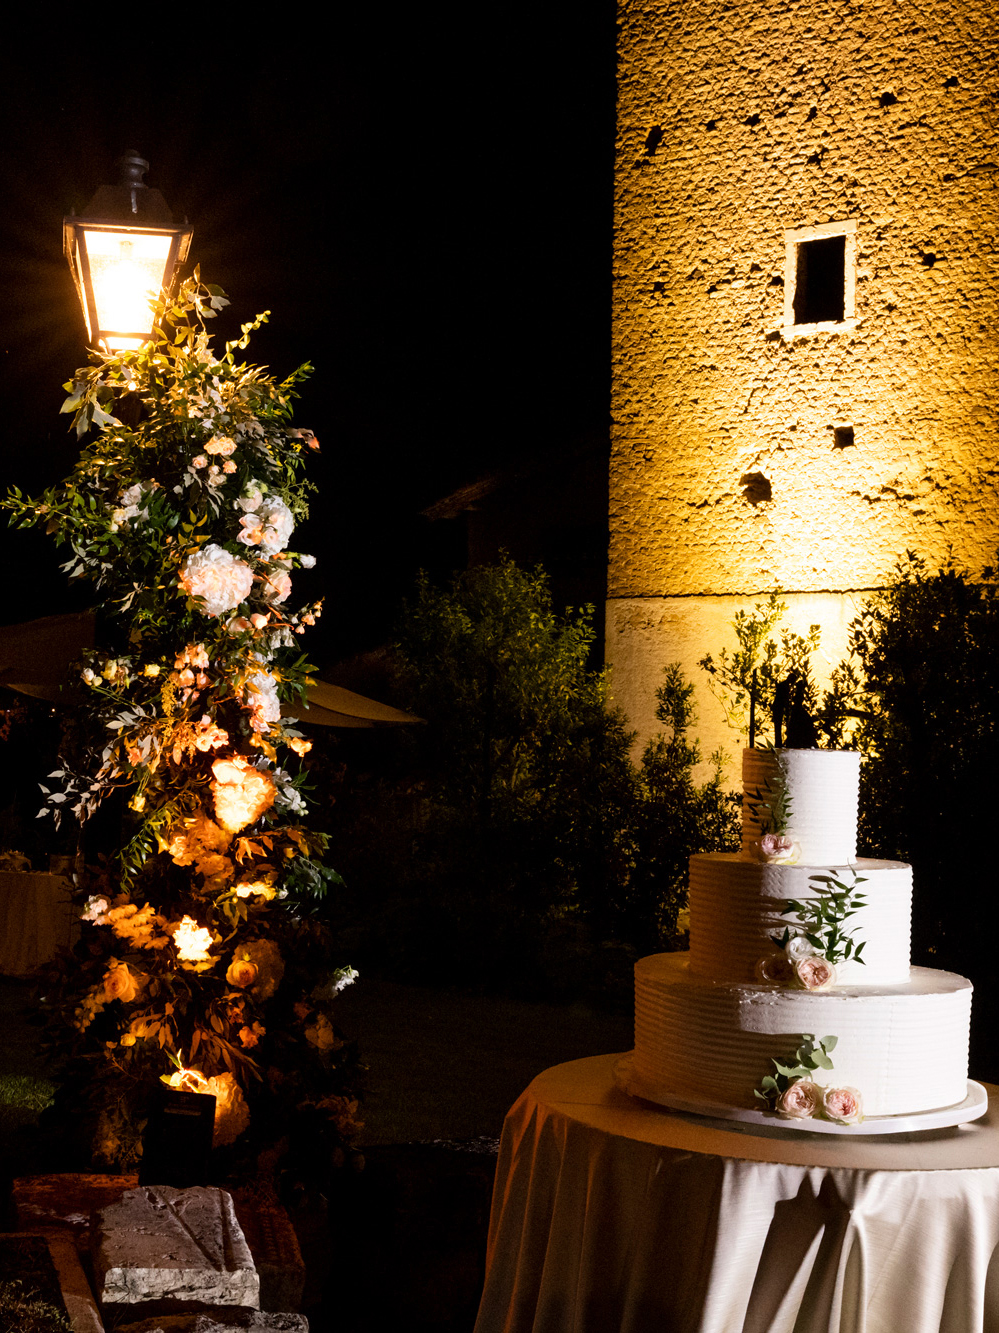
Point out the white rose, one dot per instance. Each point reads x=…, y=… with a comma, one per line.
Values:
x=307, y=561
x=277, y=523
x=798, y=947
x=219, y=580
x=252, y=497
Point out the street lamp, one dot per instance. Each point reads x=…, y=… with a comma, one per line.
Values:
x=122, y=254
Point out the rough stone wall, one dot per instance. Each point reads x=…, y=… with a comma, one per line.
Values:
x=735, y=124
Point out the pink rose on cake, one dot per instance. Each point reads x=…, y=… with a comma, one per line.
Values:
x=778, y=849
x=800, y=1101
x=775, y=967
x=843, y=1105
x=814, y=973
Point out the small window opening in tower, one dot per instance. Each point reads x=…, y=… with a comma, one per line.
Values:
x=820, y=280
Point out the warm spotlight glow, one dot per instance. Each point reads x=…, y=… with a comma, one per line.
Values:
x=192, y=941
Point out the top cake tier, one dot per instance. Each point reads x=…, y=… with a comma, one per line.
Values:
x=821, y=787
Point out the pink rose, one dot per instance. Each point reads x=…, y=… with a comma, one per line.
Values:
x=844, y=1105
x=800, y=1101
x=815, y=973
x=775, y=967
x=778, y=849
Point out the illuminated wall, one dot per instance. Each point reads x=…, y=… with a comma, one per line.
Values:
x=760, y=439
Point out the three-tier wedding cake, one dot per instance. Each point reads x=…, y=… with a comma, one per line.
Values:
x=799, y=951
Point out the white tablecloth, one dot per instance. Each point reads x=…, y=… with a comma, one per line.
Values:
x=611, y=1216
x=36, y=917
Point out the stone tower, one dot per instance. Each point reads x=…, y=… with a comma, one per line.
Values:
x=805, y=323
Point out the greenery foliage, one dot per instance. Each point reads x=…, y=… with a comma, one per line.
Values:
x=822, y=919
x=673, y=818
x=919, y=695
x=811, y=1055
x=516, y=844
x=27, y=1312
x=202, y=958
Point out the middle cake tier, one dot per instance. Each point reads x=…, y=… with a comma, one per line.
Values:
x=736, y=910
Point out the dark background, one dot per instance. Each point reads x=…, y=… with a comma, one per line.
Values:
x=424, y=203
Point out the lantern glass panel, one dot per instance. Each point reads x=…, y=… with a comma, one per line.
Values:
x=127, y=271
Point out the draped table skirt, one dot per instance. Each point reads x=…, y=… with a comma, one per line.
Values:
x=37, y=917
x=612, y=1216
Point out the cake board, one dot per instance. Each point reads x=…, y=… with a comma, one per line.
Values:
x=974, y=1105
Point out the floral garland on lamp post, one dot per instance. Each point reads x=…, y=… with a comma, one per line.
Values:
x=204, y=958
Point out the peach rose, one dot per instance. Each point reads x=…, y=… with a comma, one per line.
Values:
x=814, y=973
x=120, y=984
x=775, y=968
x=800, y=1101
x=241, y=973
x=844, y=1105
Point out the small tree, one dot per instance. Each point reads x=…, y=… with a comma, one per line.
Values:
x=676, y=818
x=759, y=663
x=922, y=680
x=523, y=765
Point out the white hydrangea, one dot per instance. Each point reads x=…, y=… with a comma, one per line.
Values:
x=262, y=699
x=269, y=526
x=218, y=579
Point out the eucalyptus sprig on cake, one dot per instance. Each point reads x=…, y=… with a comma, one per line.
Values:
x=792, y=1092
x=822, y=919
x=771, y=808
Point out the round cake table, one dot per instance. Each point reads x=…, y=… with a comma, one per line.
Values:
x=610, y=1215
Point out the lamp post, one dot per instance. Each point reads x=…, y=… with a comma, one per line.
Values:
x=122, y=254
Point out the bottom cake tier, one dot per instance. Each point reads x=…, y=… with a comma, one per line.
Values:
x=904, y=1047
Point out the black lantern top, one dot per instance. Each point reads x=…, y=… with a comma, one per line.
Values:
x=122, y=254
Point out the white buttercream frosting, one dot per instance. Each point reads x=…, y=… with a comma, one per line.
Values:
x=823, y=786
x=905, y=1046
x=735, y=910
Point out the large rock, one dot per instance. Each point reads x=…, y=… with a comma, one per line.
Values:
x=174, y=1247
x=240, y=1321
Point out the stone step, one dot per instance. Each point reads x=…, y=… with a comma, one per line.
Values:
x=64, y=1202
x=175, y=1248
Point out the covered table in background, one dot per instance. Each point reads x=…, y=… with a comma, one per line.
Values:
x=611, y=1215
x=36, y=917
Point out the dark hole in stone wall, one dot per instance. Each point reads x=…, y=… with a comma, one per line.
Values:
x=755, y=487
x=842, y=437
x=653, y=139
x=820, y=280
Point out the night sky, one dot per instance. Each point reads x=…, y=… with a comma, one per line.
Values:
x=424, y=206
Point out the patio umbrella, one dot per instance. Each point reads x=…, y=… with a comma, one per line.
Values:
x=35, y=659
